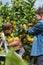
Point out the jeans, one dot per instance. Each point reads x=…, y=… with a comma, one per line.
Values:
x=39, y=60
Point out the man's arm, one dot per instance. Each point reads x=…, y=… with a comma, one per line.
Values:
x=35, y=29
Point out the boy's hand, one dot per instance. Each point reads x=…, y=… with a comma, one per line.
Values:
x=16, y=44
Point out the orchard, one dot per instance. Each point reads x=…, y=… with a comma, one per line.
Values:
x=19, y=15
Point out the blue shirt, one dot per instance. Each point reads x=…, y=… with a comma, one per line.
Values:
x=37, y=31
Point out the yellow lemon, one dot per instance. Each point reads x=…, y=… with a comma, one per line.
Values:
x=16, y=38
x=14, y=23
x=9, y=40
x=30, y=39
x=24, y=25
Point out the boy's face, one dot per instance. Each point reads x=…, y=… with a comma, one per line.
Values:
x=7, y=32
x=38, y=17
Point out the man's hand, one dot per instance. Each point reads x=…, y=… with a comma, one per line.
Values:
x=30, y=24
x=25, y=26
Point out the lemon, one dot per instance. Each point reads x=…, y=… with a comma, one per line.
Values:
x=16, y=38
x=14, y=23
x=30, y=39
x=24, y=25
x=9, y=40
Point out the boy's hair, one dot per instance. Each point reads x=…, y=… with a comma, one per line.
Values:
x=39, y=11
x=6, y=26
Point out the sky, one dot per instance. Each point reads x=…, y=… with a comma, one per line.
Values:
x=38, y=3
x=4, y=1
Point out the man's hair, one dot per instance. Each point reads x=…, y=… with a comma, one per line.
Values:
x=39, y=11
x=6, y=26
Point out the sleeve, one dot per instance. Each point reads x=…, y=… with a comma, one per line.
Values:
x=36, y=29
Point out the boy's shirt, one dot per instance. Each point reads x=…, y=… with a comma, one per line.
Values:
x=4, y=43
x=37, y=31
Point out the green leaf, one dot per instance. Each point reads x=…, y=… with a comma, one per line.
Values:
x=13, y=59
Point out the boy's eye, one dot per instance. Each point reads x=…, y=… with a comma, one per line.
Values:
x=7, y=28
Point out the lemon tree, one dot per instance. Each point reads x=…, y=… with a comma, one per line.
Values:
x=20, y=14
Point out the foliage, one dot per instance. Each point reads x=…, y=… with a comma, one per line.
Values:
x=20, y=14
x=13, y=59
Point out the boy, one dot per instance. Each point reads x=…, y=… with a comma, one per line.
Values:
x=16, y=44
x=37, y=31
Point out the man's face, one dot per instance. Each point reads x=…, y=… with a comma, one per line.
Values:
x=38, y=17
